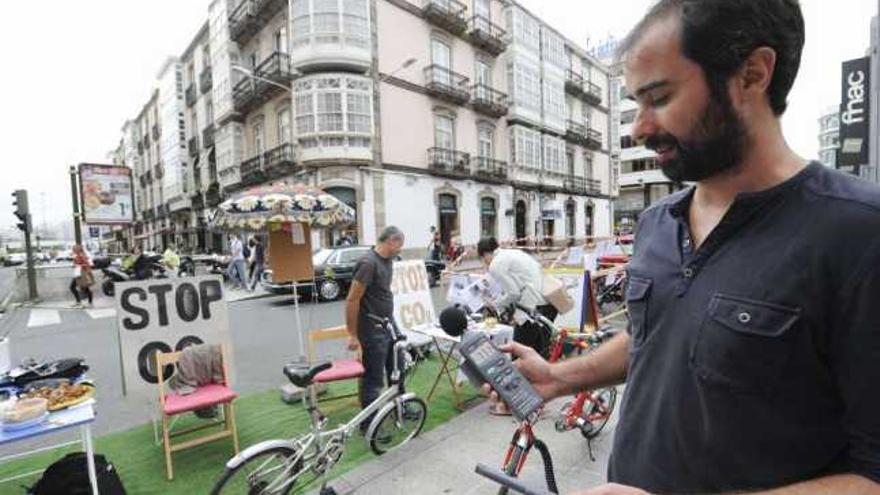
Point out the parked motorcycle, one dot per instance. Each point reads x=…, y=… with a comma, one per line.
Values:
x=147, y=267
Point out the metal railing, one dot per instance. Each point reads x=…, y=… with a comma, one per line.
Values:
x=206, y=80
x=490, y=168
x=449, y=160
x=446, y=84
x=487, y=35
x=208, y=136
x=193, y=146
x=490, y=101
x=447, y=14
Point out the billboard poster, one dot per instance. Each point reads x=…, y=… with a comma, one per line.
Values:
x=106, y=194
x=855, y=112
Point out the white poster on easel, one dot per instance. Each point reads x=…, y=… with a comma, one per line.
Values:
x=574, y=280
x=410, y=286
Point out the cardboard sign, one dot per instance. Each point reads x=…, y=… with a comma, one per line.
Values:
x=413, y=305
x=583, y=316
x=167, y=315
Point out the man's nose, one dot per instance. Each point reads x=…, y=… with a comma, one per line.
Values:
x=644, y=126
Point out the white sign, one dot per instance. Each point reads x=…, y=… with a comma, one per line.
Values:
x=106, y=194
x=297, y=233
x=573, y=279
x=413, y=305
x=167, y=315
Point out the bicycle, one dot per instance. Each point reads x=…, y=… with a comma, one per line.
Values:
x=276, y=466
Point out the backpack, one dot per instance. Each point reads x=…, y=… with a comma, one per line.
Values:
x=70, y=476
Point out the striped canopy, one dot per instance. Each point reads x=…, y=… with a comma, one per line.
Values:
x=280, y=203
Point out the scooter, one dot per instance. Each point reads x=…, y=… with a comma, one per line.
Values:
x=114, y=274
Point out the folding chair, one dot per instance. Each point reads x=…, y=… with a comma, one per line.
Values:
x=173, y=404
x=340, y=369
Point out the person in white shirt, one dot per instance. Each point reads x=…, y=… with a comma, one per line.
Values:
x=236, y=270
x=521, y=278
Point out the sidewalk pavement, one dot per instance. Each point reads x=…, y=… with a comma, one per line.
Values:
x=442, y=461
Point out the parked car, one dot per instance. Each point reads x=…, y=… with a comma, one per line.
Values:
x=16, y=259
x=334, y=270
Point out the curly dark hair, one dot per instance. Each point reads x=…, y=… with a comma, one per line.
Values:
x=719, y=35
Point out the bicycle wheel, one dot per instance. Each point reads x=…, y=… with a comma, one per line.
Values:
x=262, y=474
x=600, y=407
x=392, y=431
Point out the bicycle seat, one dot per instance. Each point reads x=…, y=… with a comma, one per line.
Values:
x=302, y=375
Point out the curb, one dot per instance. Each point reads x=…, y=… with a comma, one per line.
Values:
x=4, y=304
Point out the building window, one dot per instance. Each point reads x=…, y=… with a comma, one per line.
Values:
x=588, y=220
x=206, y=57
x=588, y=164
x=488, y=217
x=525, y=81
x=444, y=131
x=554, y=154
x=448, y=217
x=554, y=99
x=209, y=112
x=485, y=145
x=627, y=141
x=569, y=221
x=259, y=139
x=525, y=30
x=283, y=125
x=331, y=22
x=333, y=110
x=482, y=8
x=554, y=48
x=628, y=117
x=569, y=160
x=525, y=147
x=483, y=73
x=279, y=40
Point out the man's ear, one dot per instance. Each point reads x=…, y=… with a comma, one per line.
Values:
x=755, y=75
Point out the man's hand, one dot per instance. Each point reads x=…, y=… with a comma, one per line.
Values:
x=612, y=489
x=353, y=343
x=534, y=368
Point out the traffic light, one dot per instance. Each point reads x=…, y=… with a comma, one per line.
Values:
x=21, y=209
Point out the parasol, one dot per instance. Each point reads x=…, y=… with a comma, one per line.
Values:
x=255, y=208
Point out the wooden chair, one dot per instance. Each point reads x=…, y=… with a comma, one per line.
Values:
x=172, y=404
x=341, y=369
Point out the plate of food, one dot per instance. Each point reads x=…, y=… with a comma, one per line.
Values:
x=62, y=395
x=22, y=413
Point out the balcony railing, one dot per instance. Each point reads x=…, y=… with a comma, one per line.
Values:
x=272, y=164
x=206, y=80
x=592, y=93
x=449, y=162
x=489, y=168
x=446, y=14
x=486, y=35
x=249, y=16
x=574, y=83
x=190, y=95
x=594, y=139
x=447, y=85
x=159, y=171
x=198, y=200
x=213, y=195
x=208, y=136
x=161, y=211
x=156, y=132
x=575, y=132
x=193, y=146
x=582, y=185
x=489, y=101
x=250, y=92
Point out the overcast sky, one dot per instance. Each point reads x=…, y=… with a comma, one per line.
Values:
x=74, y=71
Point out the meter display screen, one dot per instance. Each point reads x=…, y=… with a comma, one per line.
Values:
x=483, y=353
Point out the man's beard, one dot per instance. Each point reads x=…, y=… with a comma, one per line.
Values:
x=714, y=145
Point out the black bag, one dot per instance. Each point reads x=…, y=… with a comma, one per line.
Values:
x=32, y=371
x=70, y=476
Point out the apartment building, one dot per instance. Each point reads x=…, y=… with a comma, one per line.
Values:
x=829, y=134
x=475, y=117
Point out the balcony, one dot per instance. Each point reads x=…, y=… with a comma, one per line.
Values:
x=446, y=14
x=159, y=171
x=156, y=133
x=574, y=83
x=161, y=212
x=446, y=85
x=491, y=169
x=213, y=197
x=208, y=136
x=193, y=147
x=581, y=185
x=250, y=92
x=487, y=36
x=198, y=200
x=449, y=162
x=143, y=179
x=575, y=132
x=489, y=102
x=190, y=95
x=251, y=15
x=594, y=140
x=149, y=214
x=146, y=140
x=272, y=164
x=206, y=80
x=592, y=93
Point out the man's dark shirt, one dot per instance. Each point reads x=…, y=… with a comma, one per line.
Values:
x=375, y=273
x=755, y=359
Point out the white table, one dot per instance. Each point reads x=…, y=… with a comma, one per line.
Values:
x=499, y=334
x=81, y=416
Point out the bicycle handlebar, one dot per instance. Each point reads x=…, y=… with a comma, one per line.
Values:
x=498, y=476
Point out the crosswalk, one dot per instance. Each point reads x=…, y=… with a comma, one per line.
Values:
x=40, y=317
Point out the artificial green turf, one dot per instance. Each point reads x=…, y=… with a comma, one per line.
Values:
x=259, y=416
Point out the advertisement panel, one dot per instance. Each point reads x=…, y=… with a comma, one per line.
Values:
x=855, y=110
x=106, y=194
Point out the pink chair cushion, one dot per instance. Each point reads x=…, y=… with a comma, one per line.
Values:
x=204, y=396
x=341, y=370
